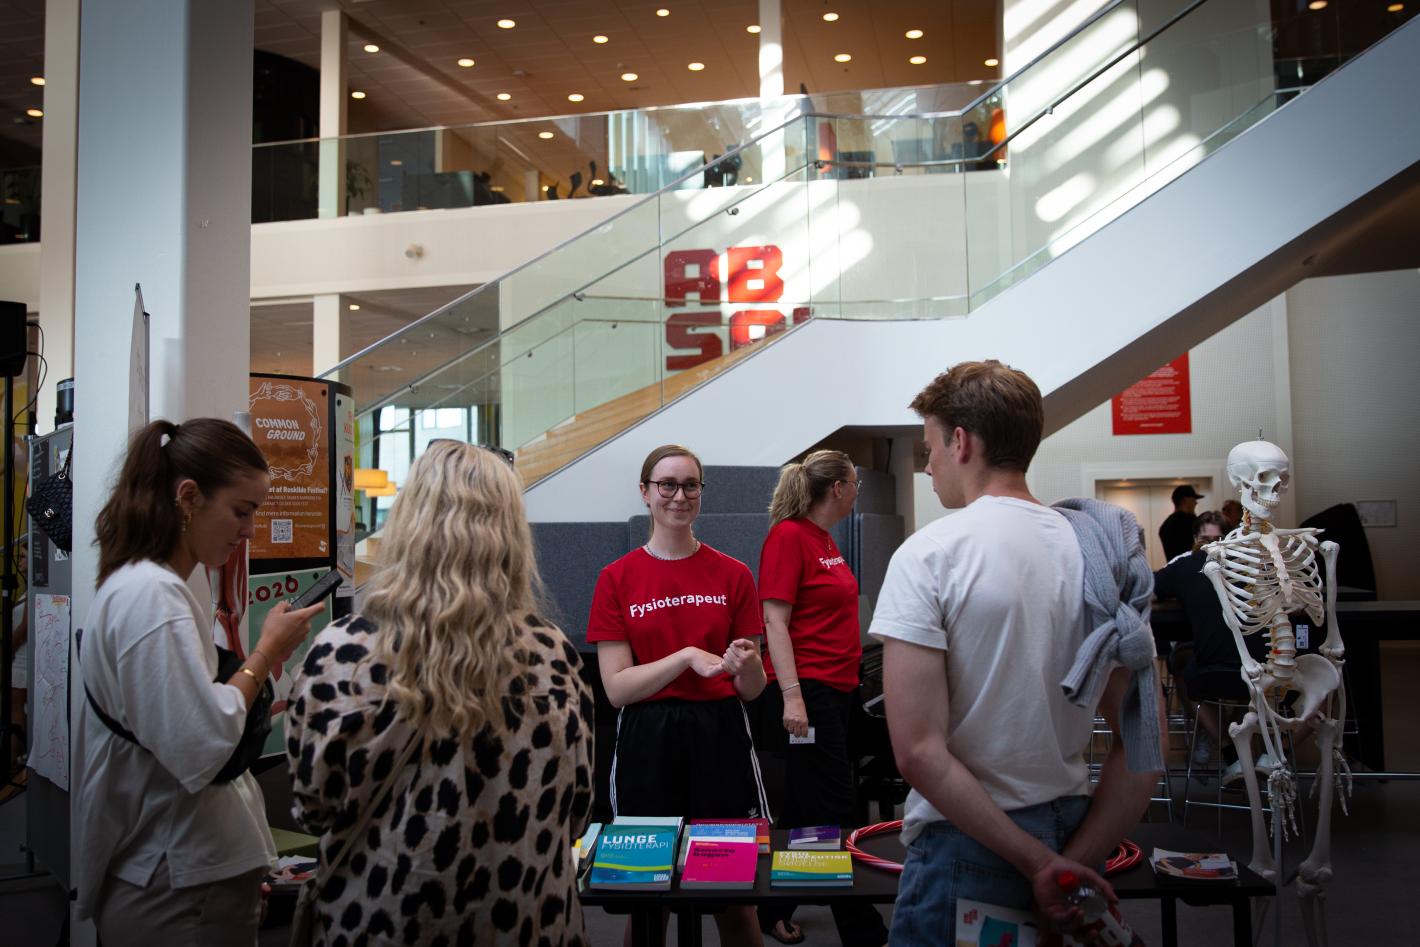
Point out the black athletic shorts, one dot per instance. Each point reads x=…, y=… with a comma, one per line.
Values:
x=688, y=758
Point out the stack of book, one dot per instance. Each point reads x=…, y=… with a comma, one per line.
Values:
x=635, y=854
x=815, y=838
x=812, y=869
x=761, y=829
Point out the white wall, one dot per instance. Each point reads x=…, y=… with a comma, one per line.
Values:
x=1355, y=390
x=19, y=274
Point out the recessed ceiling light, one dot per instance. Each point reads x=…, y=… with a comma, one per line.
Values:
x=507, y=24
x=357, y=94
x=913, y=34
x=466, y=63
x=1393, y=8
x=629, y=77
x=575, y=97
x=597, y=182
x=599, y=38
x=992, y=63
x=830, y=17
x=974, y=81
x=749, y=180
x=917, y=60
x=544, y=187
x=695, y=66
x=35, y=113
x=396, y=162
x=504, y=96
x=663, y=12
x=39, y=80
x=752, y=28
x=354, y=307
x=842, y=57
x=371, y=48
x=496, y=189
x=1317, y=5
x=544, y=135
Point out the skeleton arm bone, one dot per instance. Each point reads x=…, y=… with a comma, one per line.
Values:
x=1214, y=572
x=1333, y=647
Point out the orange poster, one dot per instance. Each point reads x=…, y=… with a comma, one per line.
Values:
x=290, y=423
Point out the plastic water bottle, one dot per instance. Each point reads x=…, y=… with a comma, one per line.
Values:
x=1103, y=925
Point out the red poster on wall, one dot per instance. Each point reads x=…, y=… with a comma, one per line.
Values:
x=1159, y=404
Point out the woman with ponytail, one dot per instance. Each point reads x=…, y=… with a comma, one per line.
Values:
x=810, y=600
x=166, y=851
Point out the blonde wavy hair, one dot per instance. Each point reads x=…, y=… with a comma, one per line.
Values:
x=803, y=484
x=457, y=588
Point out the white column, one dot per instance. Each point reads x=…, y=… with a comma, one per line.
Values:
x=771, y=85
x=57, y=196
x=333, y=107
x=328, y=311
x=771, y=49
x=532, y=185
x=164, y=199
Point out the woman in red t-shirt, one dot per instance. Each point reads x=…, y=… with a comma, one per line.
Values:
x=676, y=625
x=810, y=601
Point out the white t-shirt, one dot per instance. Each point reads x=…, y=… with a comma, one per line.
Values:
x=998, y=586
x=149, y=661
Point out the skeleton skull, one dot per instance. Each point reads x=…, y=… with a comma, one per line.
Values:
x=1260, y=471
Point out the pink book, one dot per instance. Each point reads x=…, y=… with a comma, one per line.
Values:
x=720, y=864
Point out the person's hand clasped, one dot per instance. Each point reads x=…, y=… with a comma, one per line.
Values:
x=284, y=629
x=704, y=663
x=741, y=654
x=1052, y=903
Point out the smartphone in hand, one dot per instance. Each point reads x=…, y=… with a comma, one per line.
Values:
x=324, y=587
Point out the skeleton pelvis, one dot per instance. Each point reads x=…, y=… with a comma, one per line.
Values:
x=1314, y=679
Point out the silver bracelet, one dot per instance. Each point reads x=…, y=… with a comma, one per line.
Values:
x=785, y=690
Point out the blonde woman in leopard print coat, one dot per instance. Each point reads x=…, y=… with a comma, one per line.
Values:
x=473, y=844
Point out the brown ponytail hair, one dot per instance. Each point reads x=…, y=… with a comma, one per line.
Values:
x=803, y=484
x=141, y=519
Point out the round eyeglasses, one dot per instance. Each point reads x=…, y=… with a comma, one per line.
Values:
x=669, y=488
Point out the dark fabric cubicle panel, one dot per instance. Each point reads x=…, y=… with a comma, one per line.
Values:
x=878, y=538
x=570, y=556
x=738, y=490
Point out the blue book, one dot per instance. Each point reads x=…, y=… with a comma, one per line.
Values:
x=634, y=858
x=814, y=837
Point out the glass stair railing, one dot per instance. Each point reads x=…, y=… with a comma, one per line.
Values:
x=882, y=216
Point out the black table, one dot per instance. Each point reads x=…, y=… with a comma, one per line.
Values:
x=876, y=886
x=871, y=885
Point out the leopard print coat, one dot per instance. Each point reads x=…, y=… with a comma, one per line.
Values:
x=473, y=844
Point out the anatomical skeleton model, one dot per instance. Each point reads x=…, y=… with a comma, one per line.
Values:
x=1262, y=574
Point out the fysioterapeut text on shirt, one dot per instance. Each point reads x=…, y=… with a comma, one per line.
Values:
x=675, y=601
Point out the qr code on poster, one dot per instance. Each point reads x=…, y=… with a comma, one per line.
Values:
x=281, y=531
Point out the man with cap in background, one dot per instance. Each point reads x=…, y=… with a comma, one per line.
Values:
x=1176, y=533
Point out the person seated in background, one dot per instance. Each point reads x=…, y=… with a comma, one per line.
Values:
x=451, y=667
x=1209, y=668
x=1232, y=515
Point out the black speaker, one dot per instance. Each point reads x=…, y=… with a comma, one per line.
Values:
x=14, y=341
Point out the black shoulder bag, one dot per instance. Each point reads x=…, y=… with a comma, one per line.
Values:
x=51, y=506
x=258, y=724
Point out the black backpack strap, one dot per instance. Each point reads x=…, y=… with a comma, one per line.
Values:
x=117, y=728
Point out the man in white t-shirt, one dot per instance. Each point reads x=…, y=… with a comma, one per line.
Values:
x=981, y=616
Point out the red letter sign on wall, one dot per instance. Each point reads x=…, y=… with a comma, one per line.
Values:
x=753, y=278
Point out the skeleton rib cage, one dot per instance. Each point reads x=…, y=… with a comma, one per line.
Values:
x=1268, y=574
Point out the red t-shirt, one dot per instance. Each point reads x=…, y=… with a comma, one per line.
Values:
x=800, y=564
x=706, y=600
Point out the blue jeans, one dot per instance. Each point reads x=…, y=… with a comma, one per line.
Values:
x=943, y=864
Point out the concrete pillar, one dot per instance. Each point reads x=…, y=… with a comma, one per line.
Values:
x=771, y=49
x=328, y=331
x=164, y=200
x=532, y=185
x=333, y=110
x=57, y=196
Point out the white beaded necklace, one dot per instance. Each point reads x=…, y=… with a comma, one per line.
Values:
x=693, y=550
